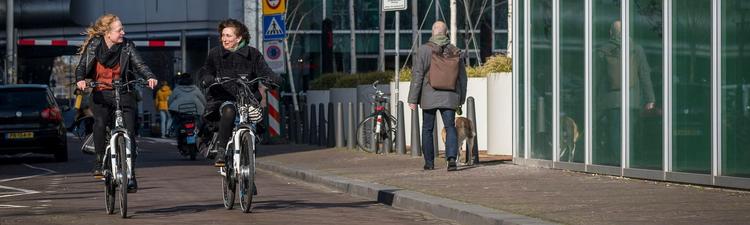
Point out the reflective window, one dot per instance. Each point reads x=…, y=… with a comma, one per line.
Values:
x=541, y=79
x=572, y=83
x=735, y=91
x=646, y=76
x=606, y=81
x=519, y=56
x=691, y=86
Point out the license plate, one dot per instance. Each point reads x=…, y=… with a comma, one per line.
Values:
x=20, y=135
x=191, y=139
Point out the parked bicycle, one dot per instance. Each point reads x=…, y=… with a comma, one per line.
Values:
x=239, y=166
x=117, y=166
x=377, y=130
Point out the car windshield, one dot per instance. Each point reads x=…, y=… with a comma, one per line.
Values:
x=23, y=98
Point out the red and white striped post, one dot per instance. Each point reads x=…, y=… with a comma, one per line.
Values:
x=63, y=43
x=274, y=117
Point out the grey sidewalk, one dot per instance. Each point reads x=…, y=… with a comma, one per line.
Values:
x=551, y=195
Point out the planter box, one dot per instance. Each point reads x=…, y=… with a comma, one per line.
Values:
x=316, y=97
x=500, y=112
x=344, y=96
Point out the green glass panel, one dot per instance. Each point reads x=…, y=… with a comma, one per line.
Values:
x=606, y=79
x=691, y=86
x=572, y=82
x=646, y=75
x=541, y=79
x=519, y=56
x=735, y=91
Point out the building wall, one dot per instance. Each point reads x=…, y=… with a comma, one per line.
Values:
x=644, y=88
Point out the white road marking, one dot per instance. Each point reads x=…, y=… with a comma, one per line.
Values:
x=12, y=206
x=20, y=191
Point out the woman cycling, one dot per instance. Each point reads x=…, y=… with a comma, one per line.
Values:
x=106, y=56
x=232, y=58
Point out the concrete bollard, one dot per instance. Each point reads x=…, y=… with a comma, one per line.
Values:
x=416, y=144
x=339, y=125
x=292, y=124
x=350, y=142
x=400, y=129
x=313, y=138
x=331, y=126
x=472, y=155
x=322, y=139
x=360, y=118
x=303, y=119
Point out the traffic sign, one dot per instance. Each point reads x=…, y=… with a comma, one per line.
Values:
x=274, y=7
x=394, y=5
x=273, y=52
x=274, y=27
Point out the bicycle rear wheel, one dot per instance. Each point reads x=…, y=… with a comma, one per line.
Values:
x=122, y=164
x=365, y=132
x=247, y=172
x=227, y=181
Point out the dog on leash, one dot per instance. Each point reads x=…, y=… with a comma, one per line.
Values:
x=568, y=137
x=465, y=132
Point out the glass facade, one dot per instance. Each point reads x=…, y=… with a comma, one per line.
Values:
x=646, y=98
x=572, y=82
x=691, y=86
x=541, y=79
x=687, y=88
x=735, y=88
x=606, y=80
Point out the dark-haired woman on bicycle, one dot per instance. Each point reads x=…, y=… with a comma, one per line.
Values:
x=106, y=56
x=232, y=58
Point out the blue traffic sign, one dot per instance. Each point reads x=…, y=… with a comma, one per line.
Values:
x=274, y=27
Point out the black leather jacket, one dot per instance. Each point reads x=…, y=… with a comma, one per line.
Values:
x=131, y=64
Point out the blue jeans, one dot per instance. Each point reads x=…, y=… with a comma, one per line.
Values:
x=428, y=126
x=166, y=122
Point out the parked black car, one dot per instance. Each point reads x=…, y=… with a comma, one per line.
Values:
x=31, y=121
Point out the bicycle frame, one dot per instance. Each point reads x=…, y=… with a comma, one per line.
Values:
x=119, y=130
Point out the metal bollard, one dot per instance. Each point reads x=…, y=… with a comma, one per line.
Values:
x=350, y=131
x=416, y=144
x=473, y=154
x=373, y=138
x=313, y=125
x=322, y=125
x=400, y=129
x=339, y=125
x=293, y=124
x=303, y=118
x=388, y=142
x=331, y=126
x=360, y=118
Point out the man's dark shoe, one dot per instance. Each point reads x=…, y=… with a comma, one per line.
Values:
x=132, y=185
x=452, y=164
x=428, y=167
x=220, y=155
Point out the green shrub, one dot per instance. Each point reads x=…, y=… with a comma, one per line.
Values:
x=326, y=81
x=351, y=81
x=494, y=64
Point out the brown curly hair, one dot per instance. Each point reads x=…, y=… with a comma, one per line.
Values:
x=239, y=28
x=98, y=28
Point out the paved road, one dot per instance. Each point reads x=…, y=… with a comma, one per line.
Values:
x=35, y=190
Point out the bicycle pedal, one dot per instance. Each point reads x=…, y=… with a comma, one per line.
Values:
x=219, y=164
x=99, y=177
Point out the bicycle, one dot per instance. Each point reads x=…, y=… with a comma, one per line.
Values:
x=119, y=170
x=377, y=129
x=239, y=166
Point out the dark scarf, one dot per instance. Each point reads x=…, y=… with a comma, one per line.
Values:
x=109, y=57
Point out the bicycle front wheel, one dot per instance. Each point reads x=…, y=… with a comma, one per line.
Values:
x=122, y=163
x=247, y=172
x=227, y=182
x=110, y=188
x=365, y=134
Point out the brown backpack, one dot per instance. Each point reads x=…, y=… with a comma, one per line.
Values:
x=444, y=65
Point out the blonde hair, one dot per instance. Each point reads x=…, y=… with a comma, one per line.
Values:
x=98, y=28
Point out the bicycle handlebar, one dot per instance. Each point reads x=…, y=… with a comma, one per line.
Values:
x=117, y=83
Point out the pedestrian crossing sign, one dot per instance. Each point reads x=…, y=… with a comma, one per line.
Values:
x=274, y=27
